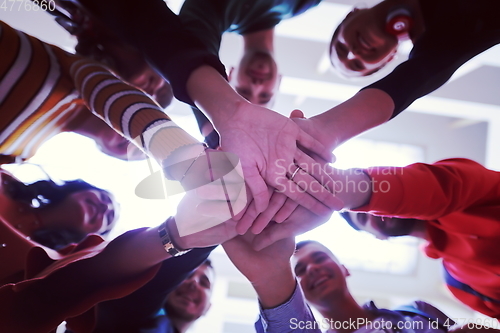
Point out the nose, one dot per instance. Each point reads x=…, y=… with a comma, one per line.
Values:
x=192, y=283
x=312, y=269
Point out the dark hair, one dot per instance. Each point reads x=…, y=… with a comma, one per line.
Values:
x=303, y=243
x=45, y=193
x=347, y=217
x=57, y=238
x=208, y=263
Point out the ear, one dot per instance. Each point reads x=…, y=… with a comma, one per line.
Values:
x=230, y=75
x=209, y=305
x=345, y=271
x=278, y=83
x=297, y=114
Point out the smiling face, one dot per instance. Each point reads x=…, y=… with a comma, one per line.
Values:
x=361, y=45
x=319, y=272
x=191, y=299
x=88, y=211
x=256, y=78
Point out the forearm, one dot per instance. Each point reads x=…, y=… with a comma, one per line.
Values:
x=156, y=31
x=132, y=113
x=365, y=110
x=352, y=186
x=213, y=95
x=292, y=316
x=275, y=285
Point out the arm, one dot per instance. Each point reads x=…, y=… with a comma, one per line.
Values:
x=140, y=308
x=375, y=104
x=155, y=30
x=430, y=191
x=365, y=110
x=73, y=285
x=266, y=141
x=198, y=80
x=269, y=271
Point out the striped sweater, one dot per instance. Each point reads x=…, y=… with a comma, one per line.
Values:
x=42, y=90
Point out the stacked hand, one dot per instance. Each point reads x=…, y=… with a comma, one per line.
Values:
x=269, y=146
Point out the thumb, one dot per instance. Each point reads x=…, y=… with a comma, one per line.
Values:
x=297, y=114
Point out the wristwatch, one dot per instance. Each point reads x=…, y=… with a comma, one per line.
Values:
x=167, y=242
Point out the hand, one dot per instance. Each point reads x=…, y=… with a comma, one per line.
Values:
x=312, y=127
x=208, y=237
x=267, y=144
x=226, y=194
x=268, y=270
x=220, y=174
x=257, y=265
x=298, y=223
x=279, y=209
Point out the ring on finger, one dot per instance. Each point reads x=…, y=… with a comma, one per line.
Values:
x=294, y=173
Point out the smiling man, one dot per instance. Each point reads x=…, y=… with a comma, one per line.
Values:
x=191, y=299
x=322, y=278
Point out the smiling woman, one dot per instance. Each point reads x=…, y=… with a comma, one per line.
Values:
x=55, y=215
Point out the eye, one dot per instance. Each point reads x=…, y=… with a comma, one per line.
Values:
x=299, y=270
x=342, y=50
x=319, y=259
x=205, y=282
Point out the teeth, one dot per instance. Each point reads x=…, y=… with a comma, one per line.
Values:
x=320, y=281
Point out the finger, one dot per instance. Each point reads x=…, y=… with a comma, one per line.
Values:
x=270, y=235
x=246, y=221
x=307, y=141
x=318, y=171
x=285, y=211
x=258, y=189
x=297, y=114
x=306, y=190
x=275, y=204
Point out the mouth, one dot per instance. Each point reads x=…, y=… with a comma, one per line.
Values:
x=189, y=299
x=319, y=282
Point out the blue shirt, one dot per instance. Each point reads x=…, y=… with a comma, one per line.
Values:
x=296, y=316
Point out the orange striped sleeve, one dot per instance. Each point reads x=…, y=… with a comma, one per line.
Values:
x=129, y=111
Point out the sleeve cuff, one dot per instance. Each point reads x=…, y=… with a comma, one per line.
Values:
x=281, y=318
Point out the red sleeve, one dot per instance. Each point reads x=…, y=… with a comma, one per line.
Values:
x=67, y=288
x=430, y=191
x=490, y=309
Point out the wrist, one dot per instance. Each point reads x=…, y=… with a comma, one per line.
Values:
x=272, y=294
x=177, y=164
x=349, y=179
x=323, y=129
x=231, y=114
x=170, y=239
x=213, y=94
